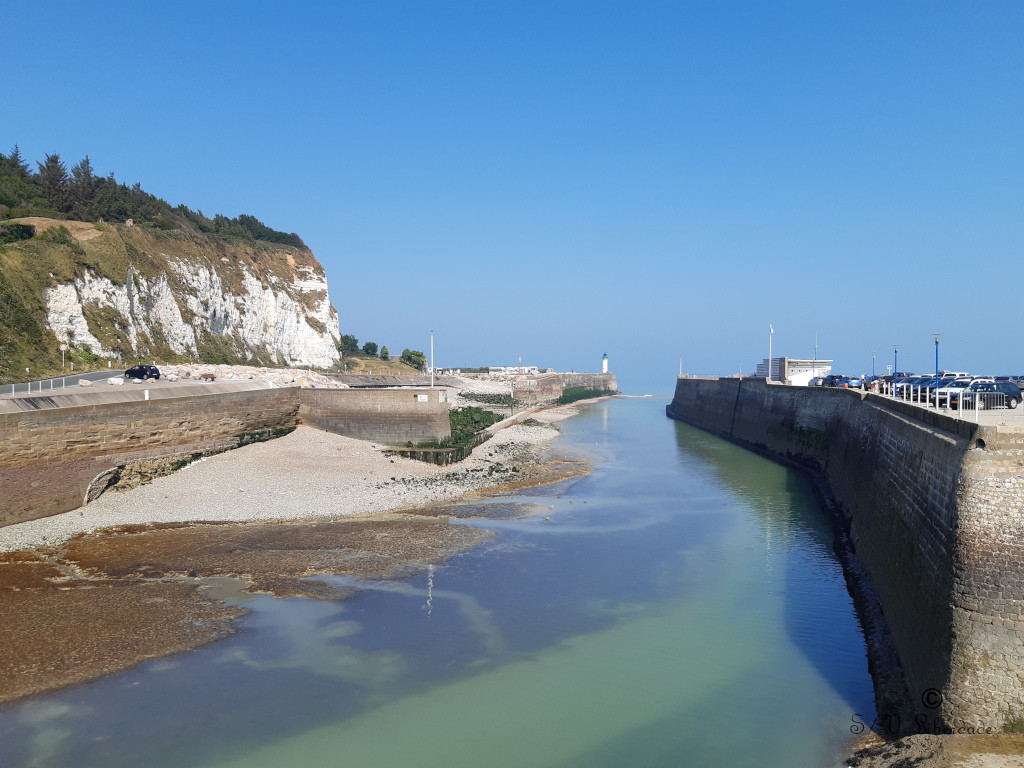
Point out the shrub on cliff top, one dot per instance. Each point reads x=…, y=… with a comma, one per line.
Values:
x=12, y=233
x=84, y=196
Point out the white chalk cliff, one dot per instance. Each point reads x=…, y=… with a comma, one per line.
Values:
x=261, y=303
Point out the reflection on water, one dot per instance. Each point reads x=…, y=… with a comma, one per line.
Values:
x=680, y=606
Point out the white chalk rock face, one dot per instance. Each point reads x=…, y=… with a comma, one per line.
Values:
x=282, y=313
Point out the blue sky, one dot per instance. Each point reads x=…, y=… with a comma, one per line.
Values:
x=559, y=180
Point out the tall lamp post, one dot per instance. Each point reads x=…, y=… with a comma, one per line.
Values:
x=872, y=365
x=936, y=335
x=431, y=359
x=895, y=367
x=771, y=332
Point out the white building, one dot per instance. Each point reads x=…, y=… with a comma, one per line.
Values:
x=790, y=370
x=513, y=370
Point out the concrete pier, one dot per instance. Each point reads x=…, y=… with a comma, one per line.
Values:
x=934, y=508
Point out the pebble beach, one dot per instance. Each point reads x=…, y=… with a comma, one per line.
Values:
x=306, y=475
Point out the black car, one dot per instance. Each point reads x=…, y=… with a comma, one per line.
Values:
x=989, y=394
x=143, y=372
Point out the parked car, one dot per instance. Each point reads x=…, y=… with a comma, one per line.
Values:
x=987, y=394
x=833, y=380
x=929, y=386
x=941, y=395
x=910, y=385
x=143, y=372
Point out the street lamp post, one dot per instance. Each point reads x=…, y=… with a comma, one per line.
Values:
x=431, y=359
x=936, y=335
x=872, y=365
x=895, y=368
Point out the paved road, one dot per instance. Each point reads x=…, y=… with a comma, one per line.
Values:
x=59, y=382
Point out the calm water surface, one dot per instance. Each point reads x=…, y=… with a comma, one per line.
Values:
x=681, y=607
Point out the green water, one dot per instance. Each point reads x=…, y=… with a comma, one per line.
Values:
x=680, y=606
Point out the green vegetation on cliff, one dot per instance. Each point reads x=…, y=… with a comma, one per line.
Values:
x=65, y=250
x=59, y=227
x=81, y=195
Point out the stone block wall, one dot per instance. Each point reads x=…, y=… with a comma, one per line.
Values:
x=988, y=581
x=49, y=458
x=389, y=416
x=366, y=380
x=546, y=388
x=588, y=380
x=935, y=510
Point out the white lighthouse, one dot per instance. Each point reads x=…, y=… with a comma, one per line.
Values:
x=604, y=364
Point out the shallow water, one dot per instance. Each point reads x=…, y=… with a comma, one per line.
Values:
x=679, y=606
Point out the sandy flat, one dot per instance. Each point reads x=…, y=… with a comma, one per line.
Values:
x=309, y=474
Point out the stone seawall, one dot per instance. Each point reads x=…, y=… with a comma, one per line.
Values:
x=546, y=388
x=50, y=458
x=935, y=512
x=389, y=416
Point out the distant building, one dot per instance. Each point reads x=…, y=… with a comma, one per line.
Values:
x=513, y=370
x=790, y=370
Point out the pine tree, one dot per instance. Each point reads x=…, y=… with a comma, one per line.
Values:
x=18, y=164
x=83, y=185
x=83, y=174
x=53, y=180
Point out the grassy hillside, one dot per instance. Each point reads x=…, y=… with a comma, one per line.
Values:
x=376, y=366
x=64, y=250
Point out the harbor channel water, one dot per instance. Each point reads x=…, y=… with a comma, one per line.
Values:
x=680, y=606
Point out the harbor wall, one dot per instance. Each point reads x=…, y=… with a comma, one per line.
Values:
x=933, y=508
x=548, y=387
x=53, y=458
x=389, y=416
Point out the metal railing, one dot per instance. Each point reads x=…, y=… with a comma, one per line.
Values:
x=955, y=403
x=46, y=385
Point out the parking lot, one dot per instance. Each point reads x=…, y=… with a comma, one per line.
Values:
x=993, y=417
x=987, y=400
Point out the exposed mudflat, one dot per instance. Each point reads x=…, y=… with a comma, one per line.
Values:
x=98, y=590
x=67, y=632
x=106, y=601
